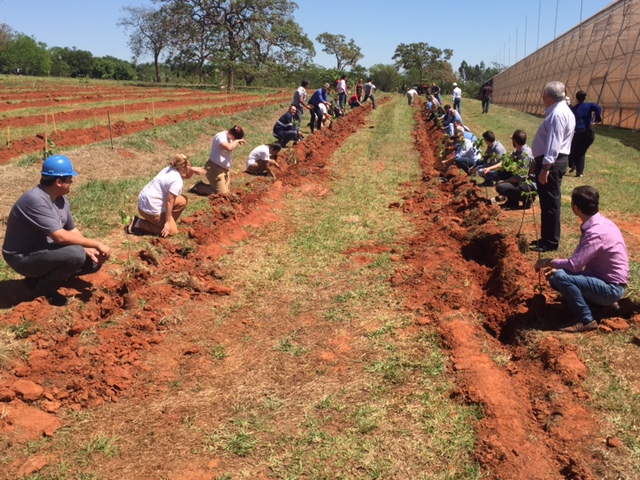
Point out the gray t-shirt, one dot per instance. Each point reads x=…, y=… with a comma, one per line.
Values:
x=32, y=219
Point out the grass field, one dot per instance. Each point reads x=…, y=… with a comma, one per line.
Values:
x=314, y=367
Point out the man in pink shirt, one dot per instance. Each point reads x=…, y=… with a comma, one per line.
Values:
x=598, y=270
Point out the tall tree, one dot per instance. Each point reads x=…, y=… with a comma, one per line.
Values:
x=23, y=53
x=422, y=57
x=150, y=33
x=347, y=54
x=385, y=77
x=227, y=32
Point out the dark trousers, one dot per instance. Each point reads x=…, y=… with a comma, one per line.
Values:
x=286, y=136
x=486, y=103
x=54, y=265
x=513, y=192
x=581, y=142
x=316, y=118
x=550, y=200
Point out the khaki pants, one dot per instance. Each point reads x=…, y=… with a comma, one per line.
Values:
x=155, y=223
x=219, y=180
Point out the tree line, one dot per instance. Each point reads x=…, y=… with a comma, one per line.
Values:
x=229, y=43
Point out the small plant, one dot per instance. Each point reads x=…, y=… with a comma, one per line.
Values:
x=47, y=150
x=285, y=345
x=24, y=329
x=219, y=352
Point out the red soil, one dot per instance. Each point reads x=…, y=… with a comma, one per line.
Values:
x=535, y=423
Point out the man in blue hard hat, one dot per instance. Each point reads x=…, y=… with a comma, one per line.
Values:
x=42, y=241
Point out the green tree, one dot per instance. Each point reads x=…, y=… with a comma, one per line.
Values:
x=347, y=54
x=111, y=68
x=71, y=62
x=23, y=53
x=424, y=60
x=385, y=77
x=150, y=33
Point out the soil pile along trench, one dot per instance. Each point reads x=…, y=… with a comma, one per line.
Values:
x=471, y=281
x=93, y=351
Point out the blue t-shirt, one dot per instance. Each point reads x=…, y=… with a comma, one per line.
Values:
x=32, y=219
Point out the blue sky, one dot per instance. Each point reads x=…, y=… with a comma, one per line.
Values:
x=476, y=31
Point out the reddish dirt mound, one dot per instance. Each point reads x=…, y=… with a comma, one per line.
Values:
x=469, y=279
x=91, y=352
x=463, y=275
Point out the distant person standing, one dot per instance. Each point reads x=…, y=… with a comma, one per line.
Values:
x=550, y=148
x=485, y=96
x=343, y=91
x=359, y=89
x=457, y=97
x=435, y=91
x=586, y=114
x=300, y=99
x=369, y=89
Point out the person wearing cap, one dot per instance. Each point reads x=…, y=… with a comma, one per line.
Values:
x=586, y=114
x=457, y=97
x=220, y=161
x=551, y=147
x=161, y=202
x=42, y=241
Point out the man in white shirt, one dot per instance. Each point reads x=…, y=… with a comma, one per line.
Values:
x=300, y=100
x=263, y=158
x=551, y=147
x=412, y=94
x=457, y=97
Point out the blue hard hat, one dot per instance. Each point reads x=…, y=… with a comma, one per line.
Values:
x=58, y=166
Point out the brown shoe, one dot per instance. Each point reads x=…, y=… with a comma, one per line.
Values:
x=580, y=327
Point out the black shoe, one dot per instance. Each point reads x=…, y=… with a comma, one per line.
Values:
x=510, y=206
x=31, y=282
x=543, y=248
x=195, y=185
x=54, y=298
x=572, y=169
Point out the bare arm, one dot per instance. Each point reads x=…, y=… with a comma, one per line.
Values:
x=98, y=251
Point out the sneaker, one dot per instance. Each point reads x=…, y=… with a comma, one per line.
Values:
x=131, y=228
x=579, y=327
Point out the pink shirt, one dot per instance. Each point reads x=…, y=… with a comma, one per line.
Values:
x=601, y=252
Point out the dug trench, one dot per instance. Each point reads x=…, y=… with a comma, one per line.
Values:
x=93, y=351
x=469, y=279
x=461, y=274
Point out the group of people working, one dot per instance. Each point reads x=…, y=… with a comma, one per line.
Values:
x=597, y=273
x=43, y=244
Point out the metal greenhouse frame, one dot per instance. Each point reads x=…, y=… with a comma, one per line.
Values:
x=600, y=56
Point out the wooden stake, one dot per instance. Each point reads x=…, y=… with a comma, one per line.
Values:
x=95, y=124
x=153, y=108
x=8, y=137
x=45, y=133
x=110, y=132
x=55, y=129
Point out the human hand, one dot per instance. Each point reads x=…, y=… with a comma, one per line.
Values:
x=543, y=177
x=166, y=230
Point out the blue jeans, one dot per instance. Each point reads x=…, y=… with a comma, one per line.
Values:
x=578, y=289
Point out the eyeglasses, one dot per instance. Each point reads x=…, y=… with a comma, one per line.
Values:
x=68, y=180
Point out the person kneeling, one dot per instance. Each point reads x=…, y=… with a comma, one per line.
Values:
x=161, y=202
x=598, y=270
x=263, y=158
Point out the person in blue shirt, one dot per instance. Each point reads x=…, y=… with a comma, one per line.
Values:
x=320, y=96
x=586, y=114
